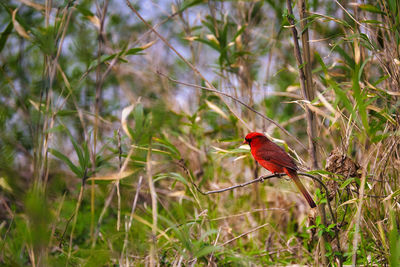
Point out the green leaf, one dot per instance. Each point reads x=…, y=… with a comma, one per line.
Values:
x=65, y=113
x=187, y=4
x=321, y=62
x=371, y=21
x=78, y=150
x=205, y=251
x=346, y=183
x=67, y=161
x=394, y=239
x=172, y=175
x=239, y=32
x=371, y=8
x=84, y=11
x=166, y=144
x=211, y=44
x=133, y=51
x=360, y=98
x=342, y=96
x=58, y=128
x=346, y=57
x=4, y=35
x=103, y=59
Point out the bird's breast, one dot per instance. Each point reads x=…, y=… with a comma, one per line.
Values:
x=272, y=167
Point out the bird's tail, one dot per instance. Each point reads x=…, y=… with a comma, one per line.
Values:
x=293, y=174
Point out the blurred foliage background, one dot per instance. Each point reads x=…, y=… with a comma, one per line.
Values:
x=107, y=122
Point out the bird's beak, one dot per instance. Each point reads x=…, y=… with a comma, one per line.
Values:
x=245, y=142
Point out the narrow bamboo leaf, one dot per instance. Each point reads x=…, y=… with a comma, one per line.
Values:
x=371, y=8
x=342, y=96
x=239, y=32
x=371, y=21
x=65, y=113
x=187, y=4
x=347, y=58
x=172, y=175
x=360, y=98
x=394, y=239
x=211, y=44
x=78, y=150
x=321, y=62
x=4, y=35
x=205, y=251
x=346, y=183
x=58, y=128
x=103, y=59
x=165, y=143
x=133, y=51
x=67, y=161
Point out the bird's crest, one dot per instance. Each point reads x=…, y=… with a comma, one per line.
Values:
x=253, y=135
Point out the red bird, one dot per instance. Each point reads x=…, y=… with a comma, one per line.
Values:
x=276, y=160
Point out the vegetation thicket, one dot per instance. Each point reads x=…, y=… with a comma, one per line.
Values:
x=118, y=117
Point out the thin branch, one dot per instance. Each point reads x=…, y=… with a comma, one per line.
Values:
x=259, y=179
x=267, y=177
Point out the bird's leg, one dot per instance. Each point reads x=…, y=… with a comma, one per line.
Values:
x=280, y=174
x=286, y=178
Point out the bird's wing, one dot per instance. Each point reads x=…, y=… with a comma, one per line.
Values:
x=275, y=154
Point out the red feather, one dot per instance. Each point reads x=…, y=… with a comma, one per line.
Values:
x=273, y=158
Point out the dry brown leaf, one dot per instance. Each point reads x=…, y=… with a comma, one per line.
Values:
x=112, y=176
x=20, y=30
x=94, y=20
x=33, y=5
x=216, y=109
x=148, y=44
x=125, y=113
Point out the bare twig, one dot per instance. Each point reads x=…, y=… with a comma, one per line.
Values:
x=266, y=177
x=259, y=179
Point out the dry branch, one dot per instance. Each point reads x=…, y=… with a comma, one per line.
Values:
x=267, y=177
